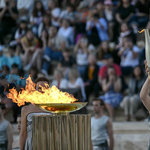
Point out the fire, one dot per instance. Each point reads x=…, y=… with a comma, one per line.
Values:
x=47, y=95
x=141, y=31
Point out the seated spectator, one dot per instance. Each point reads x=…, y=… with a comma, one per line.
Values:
x=16, y=143
x=66, y=62
x=52, y=54
x=14, y=77
x=102, y=50
x=81, y=51
x=51, y=6
x=59, y=81
x=108, y=60
x=80, y=18
x=91, y=76
x=37, y=16
x=13, y=58
x=6, y=131
x=66, y=31
x=52, y=41
x=68, y=14
x=132, y=101
x=25, y=7
x=99, y=9
x=109, y=16
x=29, y=43
x=55, y=13
x=44, y=25
x=33, y=72
x=5, y=70
x=20, y=32
x=3, y=58
x=123, y=13
x=96, y=29
x=129, y=54
x=76, y=82
x=36, y=60
x=8, y=17
x=102, y=74
x=141, y=18
x=112, y=87
x=125, y=31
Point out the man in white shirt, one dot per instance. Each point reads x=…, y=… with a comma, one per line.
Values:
x=101, y=128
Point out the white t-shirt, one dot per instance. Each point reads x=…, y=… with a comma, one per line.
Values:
x=81, y=58
x=27, y=4
x=37, y=19
x=19, y=35
x=63, y=83
x=78, y=83
x=127, y=58
x=67, y=33
x=67, y=15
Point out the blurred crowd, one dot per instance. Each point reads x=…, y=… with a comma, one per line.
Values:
x=91, y=45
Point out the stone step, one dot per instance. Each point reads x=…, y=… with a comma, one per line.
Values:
x=127, y=135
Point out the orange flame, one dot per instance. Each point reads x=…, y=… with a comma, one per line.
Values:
x=47, y=95
x=141, y=31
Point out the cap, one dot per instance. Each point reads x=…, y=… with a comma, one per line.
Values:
x=107, y=56
x=108, y=2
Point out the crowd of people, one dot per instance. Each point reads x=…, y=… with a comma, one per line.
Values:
x=89, y=45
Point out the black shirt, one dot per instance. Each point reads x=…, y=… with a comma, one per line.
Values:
x=68, y=63
x=143, y=8
x=125, y=12
x=7, y=20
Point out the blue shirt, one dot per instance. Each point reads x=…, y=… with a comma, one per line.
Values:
x=102, y=32
x=14, y=60
x=3, y=61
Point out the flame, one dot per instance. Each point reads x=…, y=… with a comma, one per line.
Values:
x=47, y=95
x=141, y=31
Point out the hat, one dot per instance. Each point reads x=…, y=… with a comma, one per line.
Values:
x=108, y=2
x=56, y=12
x=107, y=56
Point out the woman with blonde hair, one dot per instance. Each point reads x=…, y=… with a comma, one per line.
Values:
x=76, y=82
x=59, y=81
